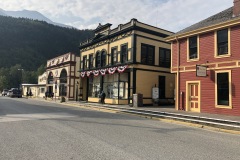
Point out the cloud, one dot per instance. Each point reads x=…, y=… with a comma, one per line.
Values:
x=172, y=15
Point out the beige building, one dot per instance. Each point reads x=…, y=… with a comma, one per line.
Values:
x=63, y=76
x=131, y=58
x=37, y=90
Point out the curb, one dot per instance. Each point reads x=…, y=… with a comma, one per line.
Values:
x=197, y=123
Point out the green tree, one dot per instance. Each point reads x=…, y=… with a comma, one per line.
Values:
x=3, y=83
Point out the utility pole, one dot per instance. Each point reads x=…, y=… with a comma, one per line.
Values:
x=20, y=85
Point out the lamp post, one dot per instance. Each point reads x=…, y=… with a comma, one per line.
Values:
x=20, y=85
x=77, y=91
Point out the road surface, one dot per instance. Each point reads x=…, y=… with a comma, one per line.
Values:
x=38, y=130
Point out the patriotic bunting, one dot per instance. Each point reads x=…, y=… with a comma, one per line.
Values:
x=96, y=72
x=102, y=71
x=83, y=74
x=112, y=70
x=122, y=68
x=88, y=73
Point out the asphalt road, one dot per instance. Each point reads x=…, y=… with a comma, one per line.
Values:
x=37, y=130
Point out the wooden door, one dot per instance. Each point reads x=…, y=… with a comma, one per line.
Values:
x=193, y=97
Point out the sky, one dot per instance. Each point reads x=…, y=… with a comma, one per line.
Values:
x=172, y=15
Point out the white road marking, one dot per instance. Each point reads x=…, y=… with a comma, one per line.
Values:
x=25, y=117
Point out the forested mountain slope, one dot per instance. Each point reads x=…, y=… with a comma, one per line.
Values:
x=31, y=43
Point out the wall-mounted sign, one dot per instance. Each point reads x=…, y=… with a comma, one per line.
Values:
x=155, y=93
x=201, y=71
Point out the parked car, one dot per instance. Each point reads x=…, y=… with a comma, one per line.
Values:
x=4, y=92
x=15, y=92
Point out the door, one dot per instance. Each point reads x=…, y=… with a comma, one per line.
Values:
x=161, y=84
x=193, y=96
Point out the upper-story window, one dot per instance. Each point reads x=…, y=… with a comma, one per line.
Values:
x=147, y=54
x=98, y=59
x=103, y=58
x=124, y=53
x=193, y=48
x=164, y=57
x=114, y=55
x=222, y=42
x=84, y=62
x=90, y=61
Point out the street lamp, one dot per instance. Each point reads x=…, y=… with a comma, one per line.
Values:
x=77, y=91
x=20, y=85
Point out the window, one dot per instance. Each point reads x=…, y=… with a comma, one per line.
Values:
x=94, y=86
x=103, y=59
x=223, y=87
x=84, y=62
x=98, y=60
x=114, y=55
x=193, y=48
x=42, y=90
x=113, y=85
x=62, y=89
x=50, y=78
x=124, y=53
x=222, y=42
x=90, y=61
x=164, y=57
x=147, y=54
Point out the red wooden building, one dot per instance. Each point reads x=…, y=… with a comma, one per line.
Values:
x=211, y=49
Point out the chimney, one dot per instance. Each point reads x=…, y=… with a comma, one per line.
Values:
x=236, y=8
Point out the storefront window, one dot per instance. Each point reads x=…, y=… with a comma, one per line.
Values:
x=42, y=90
x=111, y=85
x=94, y=86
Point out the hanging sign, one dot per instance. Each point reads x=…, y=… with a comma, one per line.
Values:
x=201, y=71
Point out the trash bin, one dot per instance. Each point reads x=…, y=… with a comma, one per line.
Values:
x=137, y=100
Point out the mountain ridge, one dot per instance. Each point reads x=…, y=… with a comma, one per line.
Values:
x=35, y=15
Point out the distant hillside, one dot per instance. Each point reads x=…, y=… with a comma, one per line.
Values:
x=30, y=15
x=31, y=43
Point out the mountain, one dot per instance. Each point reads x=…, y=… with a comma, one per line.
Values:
x=2, y=13
x=31, y=15
x=31, y=43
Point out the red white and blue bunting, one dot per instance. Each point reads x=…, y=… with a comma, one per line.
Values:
x=103, y=71
x=111, y=70
x=122, y=68
x=95, y=72
x=88, y=73
x=83, y=74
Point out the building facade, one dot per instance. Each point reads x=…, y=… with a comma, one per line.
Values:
x=131, y=58
x=36, y=90
x=206, y=63
x=63, y=76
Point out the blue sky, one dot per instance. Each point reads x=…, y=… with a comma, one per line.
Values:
x=172, y=15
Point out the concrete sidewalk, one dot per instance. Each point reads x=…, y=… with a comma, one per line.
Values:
x=164, y=108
